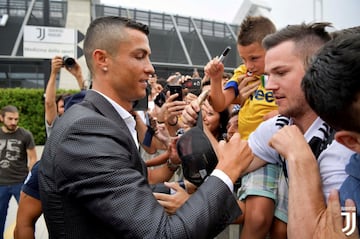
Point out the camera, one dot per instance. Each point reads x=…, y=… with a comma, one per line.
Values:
x=68, y=61
x=193, y=85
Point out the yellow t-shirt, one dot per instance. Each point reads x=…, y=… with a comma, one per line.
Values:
x=255, y=107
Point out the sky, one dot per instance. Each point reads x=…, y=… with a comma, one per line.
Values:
x=342, y=13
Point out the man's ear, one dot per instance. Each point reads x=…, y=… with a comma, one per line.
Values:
x=100, y=58
x=349, y=139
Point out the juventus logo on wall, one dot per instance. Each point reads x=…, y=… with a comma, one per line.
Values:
x=41, y=35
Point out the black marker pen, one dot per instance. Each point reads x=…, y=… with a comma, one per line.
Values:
x=225, y=52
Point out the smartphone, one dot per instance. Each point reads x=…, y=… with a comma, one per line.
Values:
x=160, y=99
x=176, y=89
x=224, y=53
x=193, y=85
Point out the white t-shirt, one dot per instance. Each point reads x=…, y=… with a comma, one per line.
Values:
x=332, y=160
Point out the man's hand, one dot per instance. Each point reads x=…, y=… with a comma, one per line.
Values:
x=330, y=222
x=75, y=70
x=162, y=134
x=56, y=64
x=171, y=202
x=234, y=156
x=170, y=109
x=190, y=113
x=190, y=97
x=290, y=143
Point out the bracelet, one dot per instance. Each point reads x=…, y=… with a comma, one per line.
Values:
x=174, y=123
x=172, y=166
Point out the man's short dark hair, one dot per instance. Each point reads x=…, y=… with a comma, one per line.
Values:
x=106, y=32
x=308, y=38
x=332, y=83
x=9, y=108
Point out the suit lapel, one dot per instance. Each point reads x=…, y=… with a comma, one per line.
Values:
x=103, y=107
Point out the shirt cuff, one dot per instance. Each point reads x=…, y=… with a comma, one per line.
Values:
x=234, y=85
x=223, y=177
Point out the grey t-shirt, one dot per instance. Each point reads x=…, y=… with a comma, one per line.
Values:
x=13, y=155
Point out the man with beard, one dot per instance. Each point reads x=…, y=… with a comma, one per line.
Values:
x=17, y=156
x=288, y=55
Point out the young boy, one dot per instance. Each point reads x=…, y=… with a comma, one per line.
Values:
x=258, y=190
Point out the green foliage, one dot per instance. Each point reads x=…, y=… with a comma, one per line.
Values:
x=30, y=103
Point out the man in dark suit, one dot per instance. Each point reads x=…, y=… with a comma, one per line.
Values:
x=92, y=180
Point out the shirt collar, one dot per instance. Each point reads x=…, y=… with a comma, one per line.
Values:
x=125, y=115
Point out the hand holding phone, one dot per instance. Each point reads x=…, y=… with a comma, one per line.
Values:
x=176, y=89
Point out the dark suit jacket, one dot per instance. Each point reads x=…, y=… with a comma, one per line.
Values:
x=93, y=184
